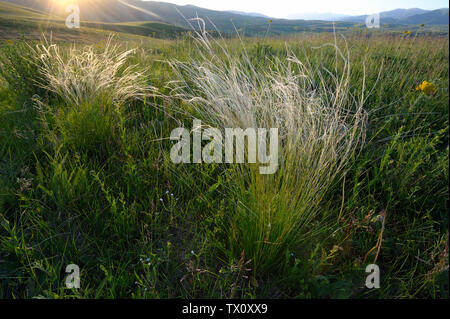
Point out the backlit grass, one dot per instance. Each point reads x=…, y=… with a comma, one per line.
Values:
x=86, y=176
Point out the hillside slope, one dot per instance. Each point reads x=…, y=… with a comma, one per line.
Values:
x=17, y=21
x=177, y=18
x=98, y=10
x=119, y=11
x=409, y=17
x=439, y=16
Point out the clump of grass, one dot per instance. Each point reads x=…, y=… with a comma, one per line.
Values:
x=18, y=68
x=321, y=125
x=80, y=75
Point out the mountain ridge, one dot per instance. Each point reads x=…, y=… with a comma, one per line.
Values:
x=403, y=16
x=117, y=11
x=249, y=24
x=122, y=11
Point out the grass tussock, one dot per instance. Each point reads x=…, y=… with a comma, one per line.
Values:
x=321, y=126
x=80, y=75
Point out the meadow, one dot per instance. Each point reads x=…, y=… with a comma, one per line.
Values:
x=86, y=176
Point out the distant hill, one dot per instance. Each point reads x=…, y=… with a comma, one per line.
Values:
x=98, y=10
x=318, y=16
x=7, y=9
x=250, y=14
x=135, y=15
x=16, y=21
x=400, y=14
x=137, y=10
x=224, y=21
x=440, y=16
x=120, y=11
x=408, y=16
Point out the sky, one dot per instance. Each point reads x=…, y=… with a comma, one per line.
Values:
x=283, y=8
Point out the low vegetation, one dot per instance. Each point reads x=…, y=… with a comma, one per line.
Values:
x=86, y=176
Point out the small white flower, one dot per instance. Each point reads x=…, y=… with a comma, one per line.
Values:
x=192, y=252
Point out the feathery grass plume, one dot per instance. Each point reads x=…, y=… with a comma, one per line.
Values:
x=321, y=127
x=81, y=75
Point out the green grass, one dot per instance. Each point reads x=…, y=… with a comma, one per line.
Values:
x=93, y=184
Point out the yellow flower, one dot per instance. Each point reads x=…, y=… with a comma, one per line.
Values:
x=270, y=21
x=426, y=87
